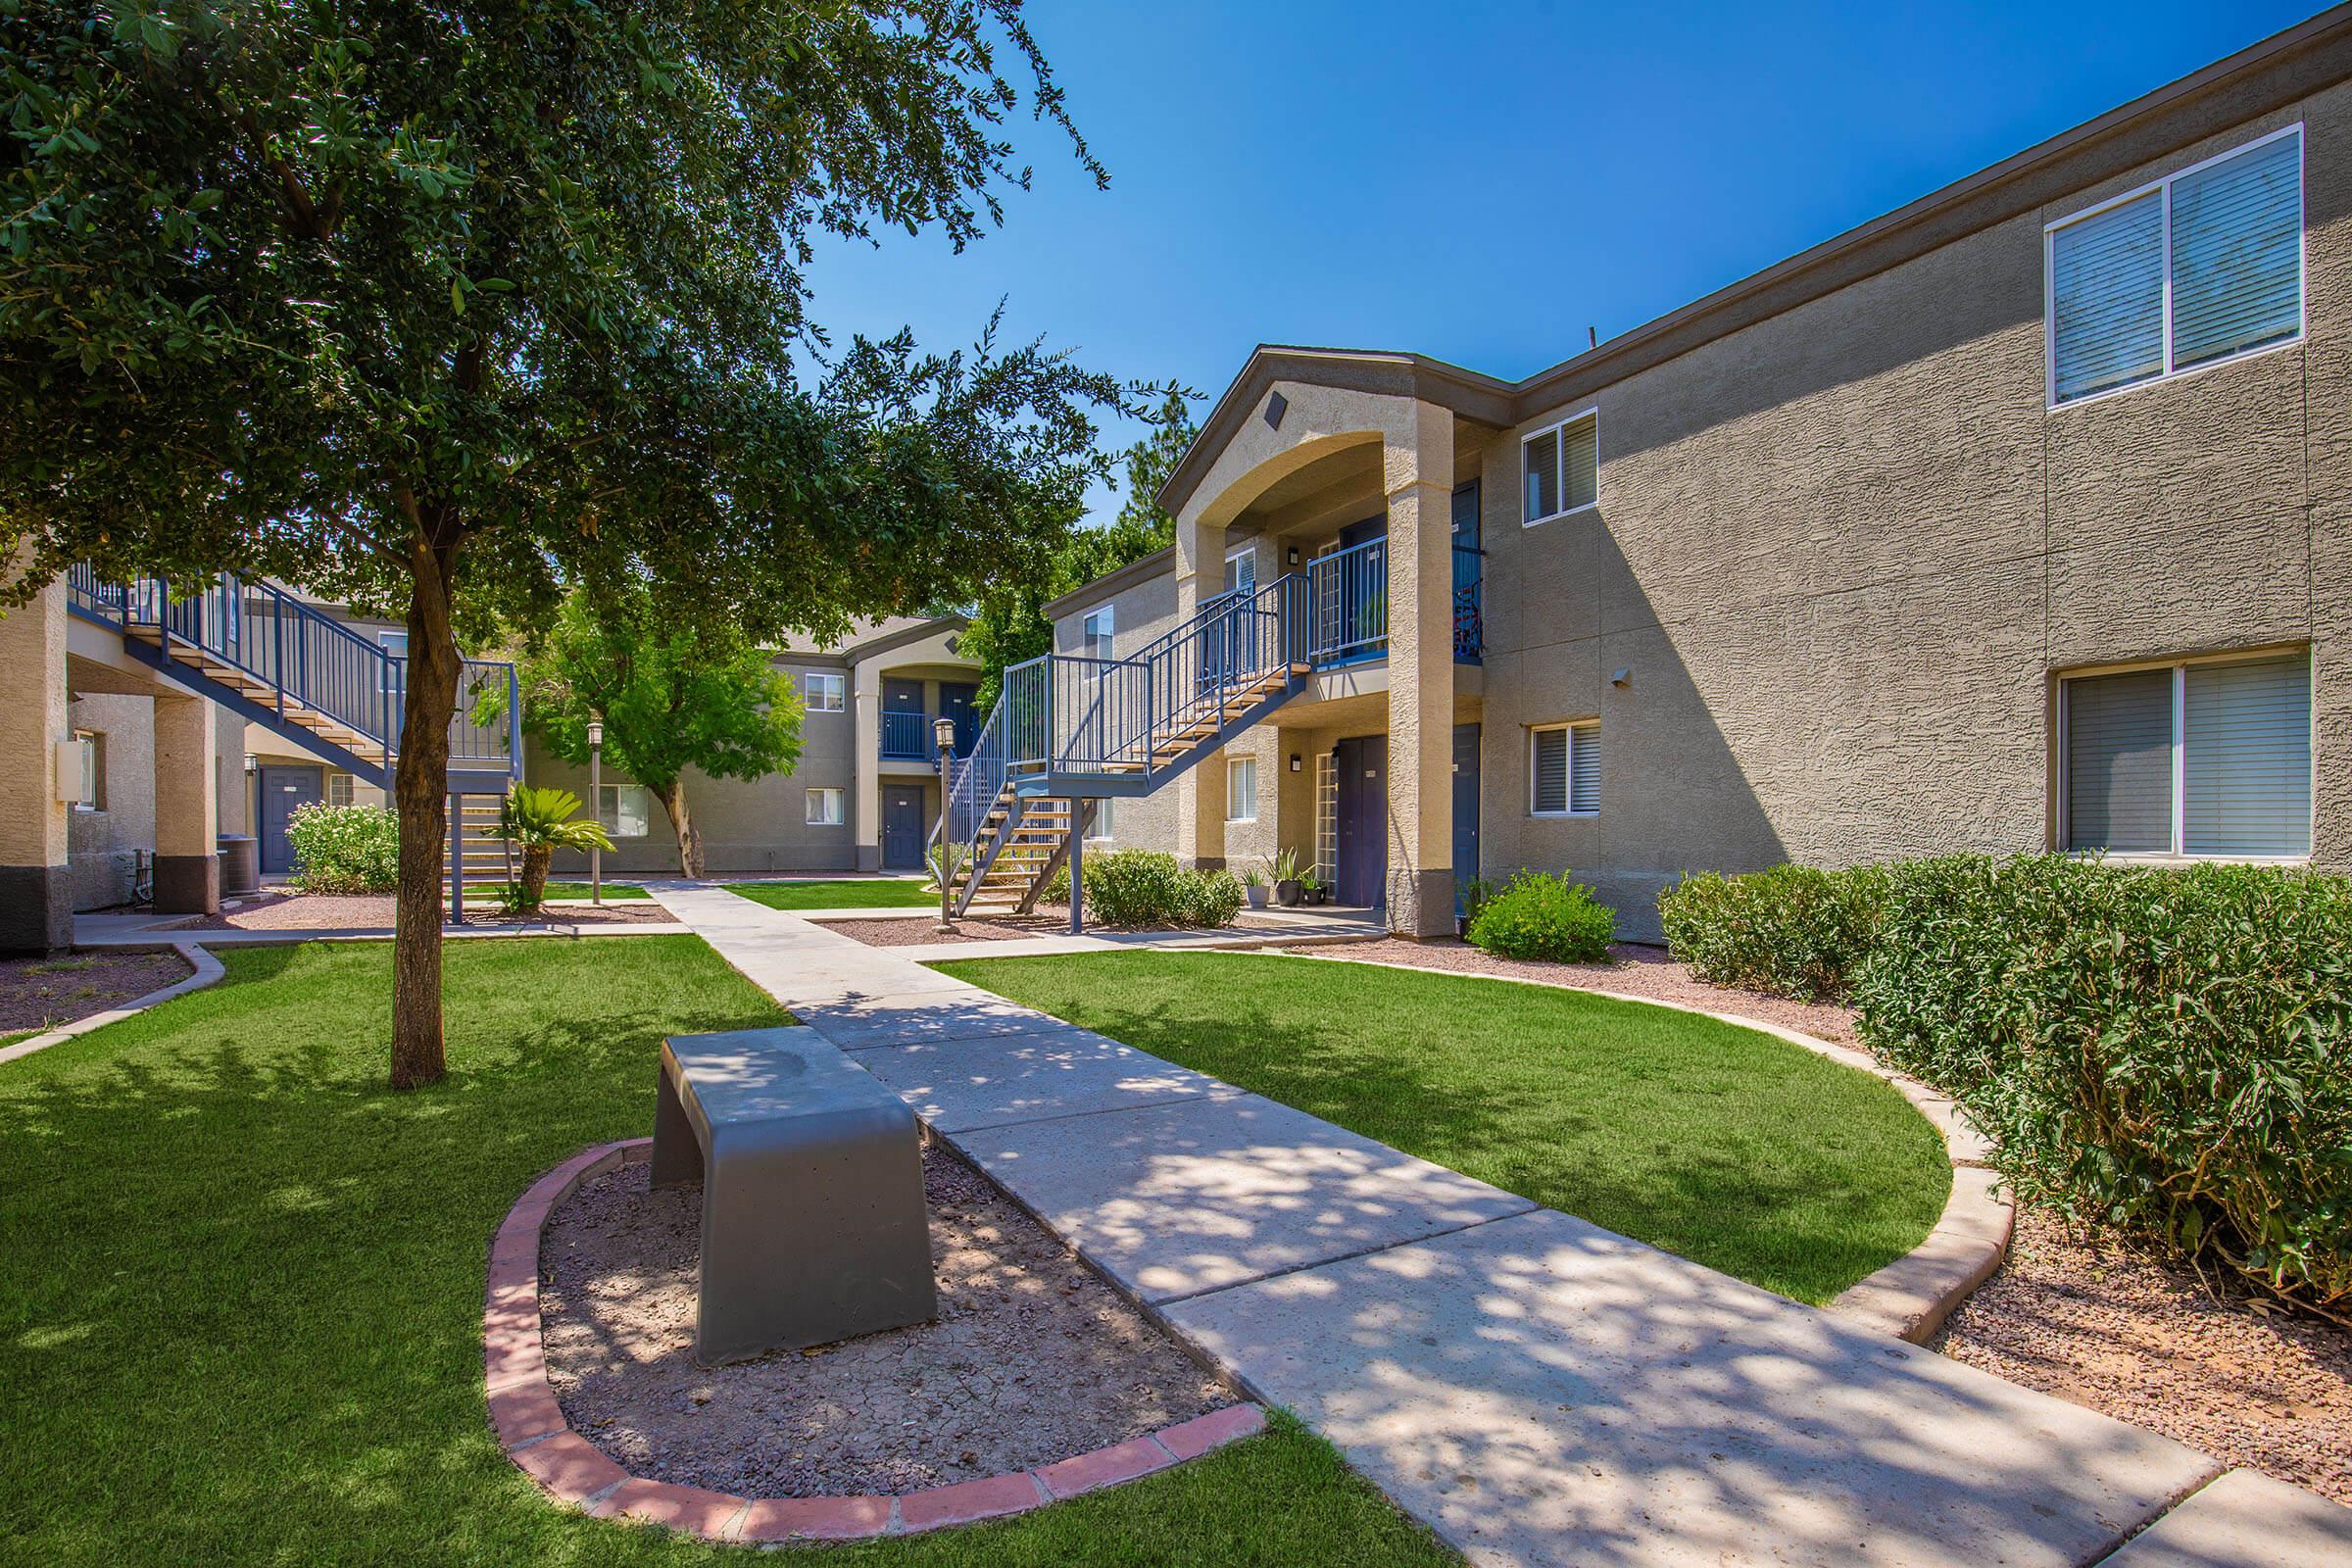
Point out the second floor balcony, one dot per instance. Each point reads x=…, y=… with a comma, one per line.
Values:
x=1350, y=604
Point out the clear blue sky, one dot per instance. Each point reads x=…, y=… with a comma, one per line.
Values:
x=1481, y=182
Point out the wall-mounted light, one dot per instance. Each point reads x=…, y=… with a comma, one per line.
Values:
x=253, y=764
x=1623, y=677
x=1296, y=762
x=1294, y=555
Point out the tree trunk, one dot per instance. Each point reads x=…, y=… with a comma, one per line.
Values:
x=690, y=840
x=421, y=797
x=535, y=858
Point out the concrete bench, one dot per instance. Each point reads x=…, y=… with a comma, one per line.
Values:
x=814, y=1222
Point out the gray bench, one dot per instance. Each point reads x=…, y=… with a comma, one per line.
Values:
x=813, y=1221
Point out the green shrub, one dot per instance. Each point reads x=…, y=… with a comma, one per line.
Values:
x=2165, y=1051
x=1792, y=931
x=1058, y=886
x=1213, y=899
x=344, y=848
x=1537, y=917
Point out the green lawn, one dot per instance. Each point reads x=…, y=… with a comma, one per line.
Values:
x=1727, y=1146
x=241, y=1317
x=872, y=892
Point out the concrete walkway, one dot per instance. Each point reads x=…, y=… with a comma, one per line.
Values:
x=1536, y=1389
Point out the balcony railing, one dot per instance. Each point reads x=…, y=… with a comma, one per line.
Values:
x=1350, y=615
x=906, y=736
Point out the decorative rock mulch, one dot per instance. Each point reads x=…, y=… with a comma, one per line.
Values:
x=531, y=1422
x=43, y=992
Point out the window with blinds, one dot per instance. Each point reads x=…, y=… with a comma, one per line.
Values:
x=2207, y=758
x=2194, y=269
x=1564, y=769
x=1561, y=465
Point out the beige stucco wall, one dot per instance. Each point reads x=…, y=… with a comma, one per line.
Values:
x=105, y=843
x=1841, y=555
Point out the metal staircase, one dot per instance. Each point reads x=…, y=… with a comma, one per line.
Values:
x=276, y=660
x=1069, y=730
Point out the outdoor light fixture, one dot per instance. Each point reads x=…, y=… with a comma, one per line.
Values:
x=1622, y=677
x=595, y=808
x=1293, y=556
x=943, y=731
x=1295, y=763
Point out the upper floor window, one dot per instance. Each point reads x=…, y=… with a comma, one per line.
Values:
x=1094, y=633
x=1564, y=769
x=2205, y=758
x=1561, y=467
x=2196, y=269
x=1241, y=570
x=824, y=692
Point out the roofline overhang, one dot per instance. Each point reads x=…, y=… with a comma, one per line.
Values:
x=2278, y=71
x=1087, y=595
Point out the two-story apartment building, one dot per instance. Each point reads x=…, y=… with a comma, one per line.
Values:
x=2014, y=520
x=863, y=795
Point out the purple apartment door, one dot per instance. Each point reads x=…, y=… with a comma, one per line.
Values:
x=1362, y=810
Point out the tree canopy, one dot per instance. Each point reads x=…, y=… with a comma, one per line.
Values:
x=441, y=310
x=671, y=696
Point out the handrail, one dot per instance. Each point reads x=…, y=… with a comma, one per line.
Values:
x=303, y=656
x=1351, y=603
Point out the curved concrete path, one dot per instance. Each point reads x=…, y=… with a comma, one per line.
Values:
x=1536, y=1389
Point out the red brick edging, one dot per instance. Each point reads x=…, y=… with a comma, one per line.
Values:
x=568, y=1468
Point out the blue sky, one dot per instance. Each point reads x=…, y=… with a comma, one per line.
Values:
x=1483, y=181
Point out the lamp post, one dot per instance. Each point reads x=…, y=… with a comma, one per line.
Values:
x=595, y=808
x=943, y=731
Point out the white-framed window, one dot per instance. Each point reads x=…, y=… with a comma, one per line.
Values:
x=338, y=789
x=2206, y=757
x=823, y=692
x=624, y=810
x=1563, y=770
x=2200, y=267
x=89, y=771
x=1560, y=465
x=1101, y=829
x=1240, y=789
x=823, y=808
x=1095, y=633
x=1241, y=567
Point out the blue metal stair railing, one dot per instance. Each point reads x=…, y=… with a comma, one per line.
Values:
x=298, y=663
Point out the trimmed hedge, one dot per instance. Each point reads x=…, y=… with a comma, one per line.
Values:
x=1537, y=917
x=1792, y=931
x=2165, y=1051
x=344, y=848
x=1147, y=887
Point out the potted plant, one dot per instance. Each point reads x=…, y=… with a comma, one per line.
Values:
x=1282, y=868
x=1310, y=888
x=1254, y=882
x=539, y=822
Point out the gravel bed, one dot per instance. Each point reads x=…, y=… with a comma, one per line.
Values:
x=1636, y=970
x=39, y=994
x=1032, y=1358
x=2144, y=1339
x=322, y=912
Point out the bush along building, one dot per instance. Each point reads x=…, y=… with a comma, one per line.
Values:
x=2014, y=520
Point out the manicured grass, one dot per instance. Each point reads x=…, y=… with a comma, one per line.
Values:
x=241, y=1317
x=874, y=893
x=1727, y=1146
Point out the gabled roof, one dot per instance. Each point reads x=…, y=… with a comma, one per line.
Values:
x=2280, y=69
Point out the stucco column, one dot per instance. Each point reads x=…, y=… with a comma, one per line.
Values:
x=1418, y=477
x=865, y=765
x=36, y=899
x=1201, y=791
x=187, y=812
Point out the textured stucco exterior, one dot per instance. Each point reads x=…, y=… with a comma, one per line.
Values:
x=1842, y=552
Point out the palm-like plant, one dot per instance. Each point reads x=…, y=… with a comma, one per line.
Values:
x=541, y=822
